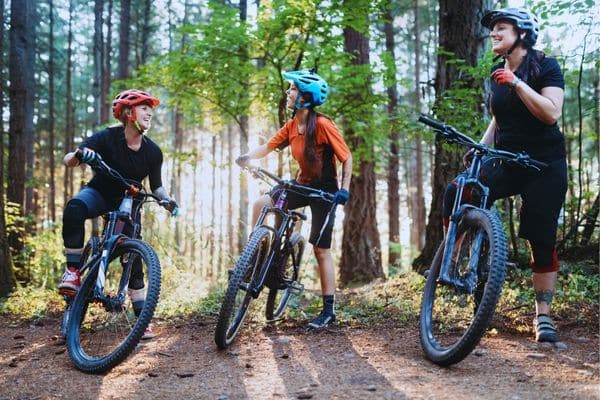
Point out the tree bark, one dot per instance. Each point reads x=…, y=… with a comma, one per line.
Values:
x=461, y=33
x=361, y=248
x=124, y=45
x=21, y=108
x=98, y=47
x=7, y=276
x=394, y=255
x=106, y=105
x=51, y=122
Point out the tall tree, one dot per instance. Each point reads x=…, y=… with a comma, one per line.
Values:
x=98, y=60
x=70, y=112
x=124, y=45
x=415, y=191
x=29, y=73
x=461, y=37
x=20, y=67
x=7, y=277
x=394, y=256
x=105, y=107
x=243, y=124
x=361, y=248
x=51, y=121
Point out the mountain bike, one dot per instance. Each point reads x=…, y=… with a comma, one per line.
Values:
x=466, y=276
x=271, y=258
x=103, y=323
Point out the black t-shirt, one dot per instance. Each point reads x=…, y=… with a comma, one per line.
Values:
x=518, y=129
x=110, y=143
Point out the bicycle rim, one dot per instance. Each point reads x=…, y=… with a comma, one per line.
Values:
x=100, y=334
x=278, y=299
x=452, y=321
x=237, y=299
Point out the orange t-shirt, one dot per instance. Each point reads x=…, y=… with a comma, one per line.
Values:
x=329, y=143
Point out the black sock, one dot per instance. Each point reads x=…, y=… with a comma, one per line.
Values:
x=328, y=302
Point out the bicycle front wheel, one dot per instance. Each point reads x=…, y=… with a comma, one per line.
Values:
x=237, y=297
x=453, y=320
x=103, y=331
x=287, y=273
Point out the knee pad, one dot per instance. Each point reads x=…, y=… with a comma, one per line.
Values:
x=74, y=223
x=543, y=258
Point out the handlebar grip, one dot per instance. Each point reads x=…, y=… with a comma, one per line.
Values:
x=78, y=153
x=430, y=122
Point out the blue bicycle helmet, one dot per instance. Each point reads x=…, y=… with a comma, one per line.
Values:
x=523, y=19
x=308, y=82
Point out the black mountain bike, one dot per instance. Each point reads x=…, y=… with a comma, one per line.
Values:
x=271, y=258
x=103, y=324
x=468, y=270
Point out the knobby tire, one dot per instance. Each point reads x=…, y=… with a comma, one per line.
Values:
x=86, y=325
x=277, y=299
x=246, y=269
x=491, y=274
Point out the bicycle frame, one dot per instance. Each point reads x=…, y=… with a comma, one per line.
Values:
x=451, y=135
x=471, y=180
x=281, y=235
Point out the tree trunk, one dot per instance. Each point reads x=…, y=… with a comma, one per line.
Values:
x=124, y=47
x=590, y=222
x=461, y=33
x=7, y=276
x=21, y=108
x=30, y=189
x=394, y=256
x=70, y=123
x=106, y=105
x=417, y=200
x=361, y=248
x=243, y=204
x=98, y=45
x=51, y=122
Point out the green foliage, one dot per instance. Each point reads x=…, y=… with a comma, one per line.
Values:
x=44, y=255
x=31, y=303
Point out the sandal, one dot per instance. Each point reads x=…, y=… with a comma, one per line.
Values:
x=545, y=330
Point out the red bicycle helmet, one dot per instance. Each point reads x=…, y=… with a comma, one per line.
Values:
x=132, y=98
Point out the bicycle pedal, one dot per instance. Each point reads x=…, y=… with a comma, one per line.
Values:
x=296, y=288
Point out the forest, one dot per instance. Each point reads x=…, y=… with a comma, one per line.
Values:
x=216, y=67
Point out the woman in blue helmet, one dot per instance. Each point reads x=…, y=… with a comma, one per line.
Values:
x=315, y=144
x=526, y=98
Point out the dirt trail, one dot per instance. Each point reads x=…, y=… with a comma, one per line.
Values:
x=286, y=362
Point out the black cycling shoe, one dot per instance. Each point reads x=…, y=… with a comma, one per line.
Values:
x=321, y=321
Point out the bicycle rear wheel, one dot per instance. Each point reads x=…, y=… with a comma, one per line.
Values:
x=237, y=298
x=287, y=273
x=102, y=333
x=91, y=247
x=452, y=321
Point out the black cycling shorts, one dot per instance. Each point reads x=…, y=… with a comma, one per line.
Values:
x=319, y=210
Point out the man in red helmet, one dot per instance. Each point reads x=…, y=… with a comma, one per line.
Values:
x=135, y=156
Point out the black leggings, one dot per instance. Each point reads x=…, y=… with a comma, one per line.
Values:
x=542, y=194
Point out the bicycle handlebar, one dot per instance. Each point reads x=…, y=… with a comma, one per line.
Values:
x=452, y=135
x=99, y=165
x=288, y=184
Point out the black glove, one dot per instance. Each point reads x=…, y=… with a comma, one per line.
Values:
x=169, y=204
x=242, y=160
x=88, y=156
x=341, y=196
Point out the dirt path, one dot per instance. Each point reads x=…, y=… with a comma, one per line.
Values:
x=285, y=362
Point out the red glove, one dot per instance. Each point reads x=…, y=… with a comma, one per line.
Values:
x=504, y=76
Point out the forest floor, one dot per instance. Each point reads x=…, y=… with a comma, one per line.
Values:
x=284, y=361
